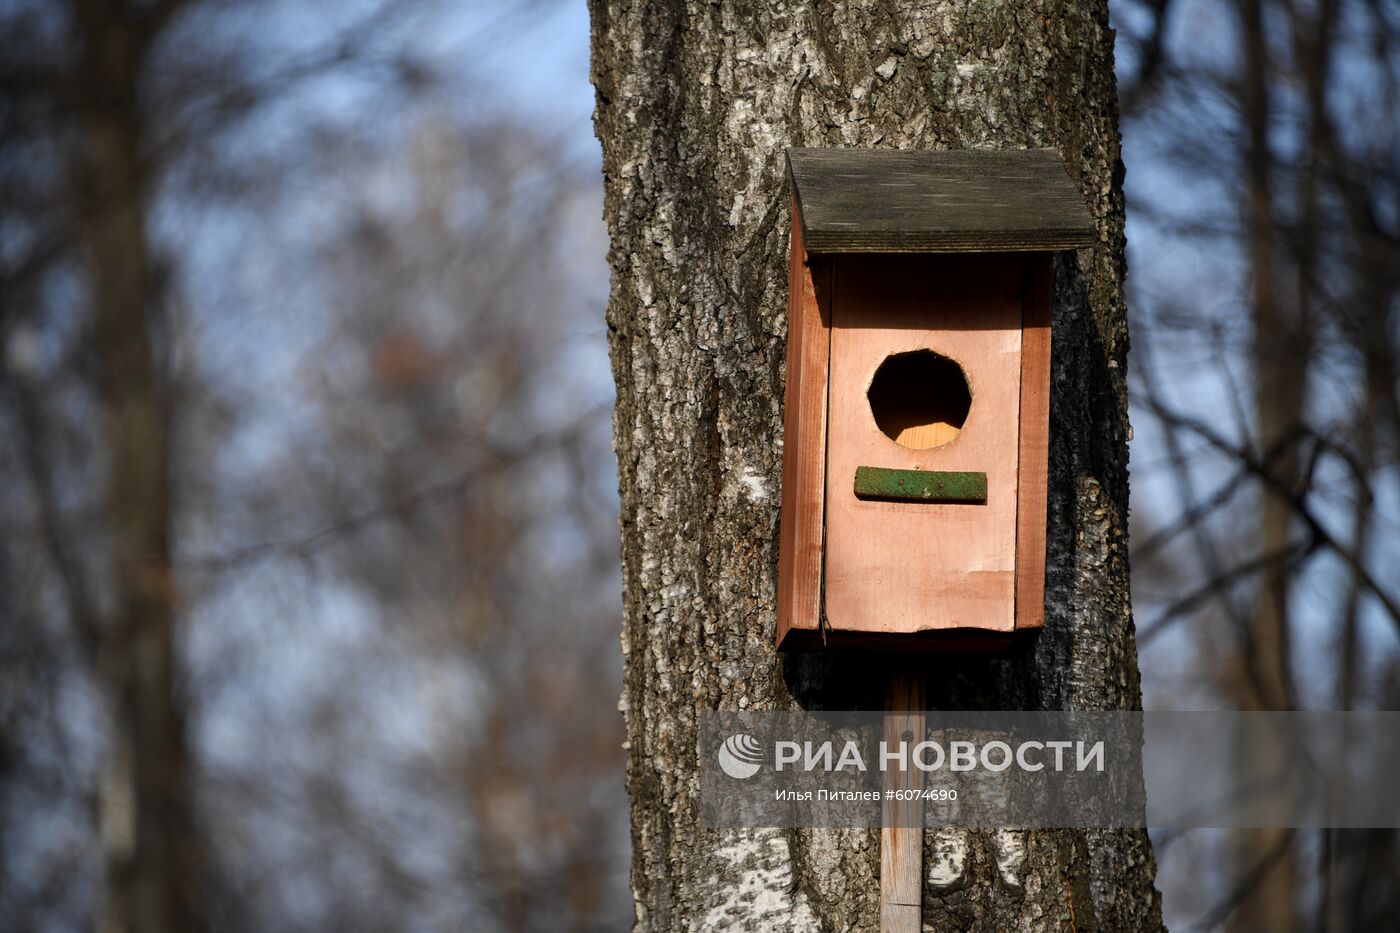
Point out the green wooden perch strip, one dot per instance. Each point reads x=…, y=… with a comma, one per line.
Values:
x=920, y=485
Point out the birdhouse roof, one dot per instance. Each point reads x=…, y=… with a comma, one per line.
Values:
x=891, y=201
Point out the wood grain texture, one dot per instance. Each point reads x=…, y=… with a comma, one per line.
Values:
x=1034, y=469
x=885, y=201
x=914, y=567
x=801, y=522
x=924, y=436
x=902, y=821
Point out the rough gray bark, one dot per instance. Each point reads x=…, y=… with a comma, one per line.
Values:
x=695, y=104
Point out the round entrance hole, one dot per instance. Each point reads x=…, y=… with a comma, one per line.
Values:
x=920, y=399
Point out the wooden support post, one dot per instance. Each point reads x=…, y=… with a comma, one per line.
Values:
x=902, y=823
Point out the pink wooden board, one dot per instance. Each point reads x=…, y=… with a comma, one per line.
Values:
x=909, y=567
x=804, y=443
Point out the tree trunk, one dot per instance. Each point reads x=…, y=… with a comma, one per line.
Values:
x=1265, y=859
x=151, y=849
x=695, y=105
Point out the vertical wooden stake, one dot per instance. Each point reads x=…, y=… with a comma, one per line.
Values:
x=902, y=823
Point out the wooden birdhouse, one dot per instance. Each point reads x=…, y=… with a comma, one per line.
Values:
x=918, y=395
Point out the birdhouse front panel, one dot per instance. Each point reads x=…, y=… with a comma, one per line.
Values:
x=923, y=443
x=916, y=431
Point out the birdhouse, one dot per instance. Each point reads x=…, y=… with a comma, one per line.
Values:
x=918, y=395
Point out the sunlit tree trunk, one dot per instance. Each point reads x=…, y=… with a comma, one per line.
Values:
x=695, y=104
x=1266, y=863
x=150, y=844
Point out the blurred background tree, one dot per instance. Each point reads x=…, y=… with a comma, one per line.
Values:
x=308, y=595
x=309, y=577
x=1263, y=152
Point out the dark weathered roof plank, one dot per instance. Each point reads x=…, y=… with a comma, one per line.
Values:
x=892, y=201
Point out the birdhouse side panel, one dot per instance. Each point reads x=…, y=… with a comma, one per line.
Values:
x=1033, y=486
x=801, y=518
